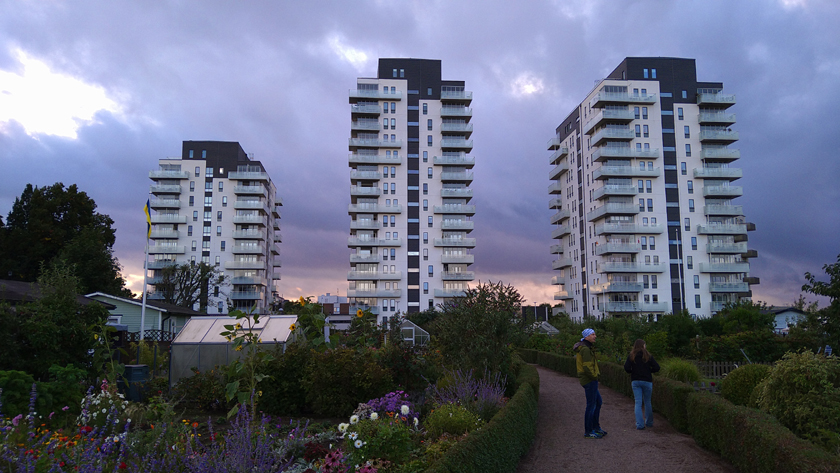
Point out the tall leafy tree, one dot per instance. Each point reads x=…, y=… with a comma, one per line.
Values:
x=828, y=317
x=189, y=284
x=47, y=224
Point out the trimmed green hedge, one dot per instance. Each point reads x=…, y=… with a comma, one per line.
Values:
x=499, y=445
x=751, y=440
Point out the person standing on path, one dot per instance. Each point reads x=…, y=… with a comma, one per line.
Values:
x=588, y=373
x=640, y=364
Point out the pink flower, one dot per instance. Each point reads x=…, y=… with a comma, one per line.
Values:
x=17, y=420
x=65, y=408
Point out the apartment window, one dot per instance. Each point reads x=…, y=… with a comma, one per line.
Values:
x=192, y=186
x=219, y=216
x=636, y=113
x=638, y=131
x=192, y=200
x=191, y=154
x=636, y=92
x=643, y=241
x=645, y=73
x=393, y=125
x=652, y=241
x=393, y=107
x=208, y=187
x=194, y=245
x=205, y=231
x=645, y=281
x=393, y=220
x=650, y=205
x=195, y=216
x=402, y=72
x=393, y=171
x=684, y=94
x=208, y=216
x=192, y=259
x=647, y=298
x=641, y=186
x=431, y=222
x=696, y=296
x=687, y=149
x=395, y=75
x=645, y=131
x=431, y=270
x=687, y=131
x=197, y=171
x=205, y=244
x=641, y=205
x=429, y=124
x=431, y=303
x=425, y=188
x=425, y=156
x=644, y=109
x=689, y=262
x=644, y=221
x=393, y=138
x=653, y=73
x=218, y=261
x=425, y=288
x=384, y=123
x=429, y=173
x=429, y=140
x=189, y=230
x=208, y=201
x=679, y=113
x=384, y=221
x=696, y=281
x=655, y=260
x=644, y=92
x=393, y=254
x=385, y=105
x=654, y=282
x=647, y=259
x=428, y=91
x=208, y=172
x=683, y=169
x=691, y=205
x=693, y=243
x=425, y=237
x=649, y=186
x=687, y=224
x=425, y=204
x=690, y=187
x=425, y=109
x=425, y=254
x=393, y=187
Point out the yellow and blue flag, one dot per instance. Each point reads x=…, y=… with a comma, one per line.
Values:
x=148, y=219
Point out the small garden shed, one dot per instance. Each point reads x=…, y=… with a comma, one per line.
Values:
x=200, y=343
x=413, y=334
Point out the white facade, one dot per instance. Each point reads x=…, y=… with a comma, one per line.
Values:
x=643, y=185
x=215, y=205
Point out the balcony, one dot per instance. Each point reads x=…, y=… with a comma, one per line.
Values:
x=625, y=228
x=457, y=275
x=555, y=188
x=251, y=205
x=558, y=154
x=752, y=280
x=631, y=267
x=749, y=254
x=165, y=189
x=366, y=109
x=167, y=250
x=449, y=293
x=165, y=203
x=558, y=171
x=559, y=280
x=723, y=191
x=466, y=128
x=249, y=220
x=370, y=143
x=467, y=225
x=249, y=280
x=562, y=296
x=455, y=242
x=557, y=249
x=456, y=176
x=561, y=263
x=164, y=174
x=248, y=250
x=169, y=218
x=722, y=229
x=360, y=258
x=456, y=209
x=560, y=216
x=732, y=210
x=716, y=118
x=365, y=224
x=245, y=264
x=622, y=116
x=717, y=100
x=248, y=176
x=456, y=160
x=457, y=259
x=602, y=99
x=624, y=134
x=726, y=248
x=354, y=242
x=614, y=190
x=612, y=209
x=375, y=292
x=365, y=175
x=607, y=172
x=718, y=173
x=554, y=143
x=456, y=143
x=365, y=125
x=164, y=233
x=728, y=287
x=249, y=190
x=373, y=276
x=456, y=95
x=611, y=248
x=555, y=203
x=462, y=192
x=638, y=306
x=365, y=191
x=618, y=286
x=356, y=158
x=724, y=267
x=605, y=152
x=720, y=153
x=449, y=111
x=561, y=231
x=160, y=264
x=245, y=295
x=718, y=136
x=374, y=94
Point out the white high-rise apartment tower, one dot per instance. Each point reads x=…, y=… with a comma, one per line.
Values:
x=410, y=198
x=643, y=184
x=216, y=205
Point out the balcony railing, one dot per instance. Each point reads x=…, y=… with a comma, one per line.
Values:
x=464, y=192
x=457, y=225
x=356, y=158
x=455, y=242
x=723, y=210
x=357, y=241
x=554, y=143
x=731, y=248
x=249, y=219
x=168, y=218
x=248, y=235
x=250, y=205
x=365, y=191
x=160, y=264
x=458, y=160
x=371, y=258
x=365, y=125
x=609, y=248
x=249, y=280
x=606, y=152
x=365, y=175
x=558, y=171
x=457, y=259
x=622, y=228
x=718, y=173
x=167, y=249
x=261, y=190
x=718, y=135
x=165, y=233
x=375, y=292
x=555, y=203
x=555, y=188
x=631, y=267
x=165, y=203
x=165, y=189
x=245, y=295
x=458, y=209
x=557, y=155
x=457, y=275
x=610, y=190
x=720, y=153
x=716, y=99
x=723, y=191
x=606, y=172
x=374, y=94
x=456, y=143
x=456, y=95
x=456, y=127
x=561, y=231
x=618, y=286
x=245, y=264
x=601, y=99
x=636, y=306
x=365, y=224
x=248, y=175
x=559, y=280
x=557, y=249
x=724, y=267
x=449, y=293
x=612, y=209
x=459, y=176
x=455, y=111
x=624, y=134
x=164, y=174
x=560, y=216
x=370, y=143
x=623, y=116
x=248, y=250
x=561, y=263
x=728, y=287
x=373, y=276
x=368, y=108
x=722, y=229
x=716, y=117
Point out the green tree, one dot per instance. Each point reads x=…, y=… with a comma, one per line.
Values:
x=746, y=316
x=828, y=317
x=53, y=223
x=189, y=284
x=681, y=329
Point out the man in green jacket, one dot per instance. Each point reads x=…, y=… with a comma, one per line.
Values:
x=588, y=372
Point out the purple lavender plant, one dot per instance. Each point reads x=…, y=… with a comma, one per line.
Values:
x=483, y=397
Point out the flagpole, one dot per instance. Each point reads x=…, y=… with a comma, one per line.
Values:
x=145, y=272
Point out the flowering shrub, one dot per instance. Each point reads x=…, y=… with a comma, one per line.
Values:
x=102, y=407
x=451, y=419
x=205, y=390
x=395, y=405
x=377, y=438
x=483, y=397
x=336, y=379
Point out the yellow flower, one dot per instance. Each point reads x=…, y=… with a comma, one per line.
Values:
x=292, y=327
x=96, y=336
x=360, y=313
x=259, y=340
x=239, y=348
x=302, y=300
x=259, y=393
x=238, y=326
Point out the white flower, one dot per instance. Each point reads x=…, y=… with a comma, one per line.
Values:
x=104, y=411
x=405, y=410
x=354, y=419
x=374, y=416
x=358, y=444
x=353, y=435
x=343, y=427
x=416, y=422
x=128, y=421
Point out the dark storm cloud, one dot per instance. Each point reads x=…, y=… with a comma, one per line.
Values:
x=274, y=76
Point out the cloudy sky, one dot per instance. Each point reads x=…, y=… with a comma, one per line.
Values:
x=95, y=92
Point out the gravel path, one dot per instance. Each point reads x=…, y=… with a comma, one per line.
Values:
x=559, y=445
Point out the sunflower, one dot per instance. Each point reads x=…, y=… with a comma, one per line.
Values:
x=292, y=327
x=302, y=301
x=360, y=313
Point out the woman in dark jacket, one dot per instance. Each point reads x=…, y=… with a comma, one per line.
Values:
x=640, y=364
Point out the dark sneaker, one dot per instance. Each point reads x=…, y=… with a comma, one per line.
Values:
x=600, y=431
x=592, y=435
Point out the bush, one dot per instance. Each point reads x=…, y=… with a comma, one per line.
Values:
x=669, y=399
x=203, y=390
x=151, y=354
x=383, y=439
x=803, y=392
x=282, y=392
x=482, y=397
x=738, y=385
x=451, y=419
x=65, y=390
x=408, y=366
x=337, y=379
x=680, y=370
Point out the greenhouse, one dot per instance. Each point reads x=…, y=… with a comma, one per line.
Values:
x=200, y=343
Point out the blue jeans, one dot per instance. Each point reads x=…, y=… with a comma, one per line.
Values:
x=592, y=415
x=642, y=391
